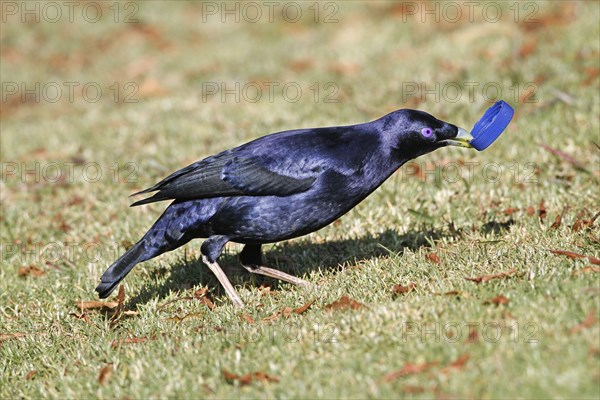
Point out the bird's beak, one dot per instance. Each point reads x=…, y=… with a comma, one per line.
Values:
x=462, y=139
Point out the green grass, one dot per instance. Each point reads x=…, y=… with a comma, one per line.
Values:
x=534, y=346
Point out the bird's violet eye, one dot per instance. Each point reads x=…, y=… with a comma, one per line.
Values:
x=427, y=132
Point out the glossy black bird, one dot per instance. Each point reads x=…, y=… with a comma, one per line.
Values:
x=279, y=187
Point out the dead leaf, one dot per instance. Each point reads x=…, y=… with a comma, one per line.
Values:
x=31, y=374
x=434, y=258
x=457, y=364
x=201, y=292
x=208, y=303
x=510, y=211
x=82, y=316
x=559, y=218
x=267, y=291
x=248, y=318
x=592, y=73
x=104, y=374
x=263, y=376
x=451, y=293
x=542, y=210
x=62, y=224
x=409, y=369
x=75, y=200
x=574, y=255
x=577, y=225
x=230, y=376
x=119, y=342
x=497, y=300
x=264, y=290
x=272, y=318
x=301, y=65
x=473, y=336
x=527, y=95
x=302, y=310
x=344, y=68
x=584, y=223
x=399, y=289
x=486, y=278
x=589, y=321
x=8, y=336
x=586, y=270
x=287, y=311
x=30, y=270
x=248, y=378
x=562, y=14
x=410, y=389
x=528, y=47
x=343, y=303
x=86, y=305
x=556, y=222
x=151, y=87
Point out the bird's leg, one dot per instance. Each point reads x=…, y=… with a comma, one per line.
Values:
x=216, y=269
x=211, y=250
x=251, y=259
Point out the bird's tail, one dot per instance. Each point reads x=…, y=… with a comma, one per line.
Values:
x=170, y=231
x=120, y=268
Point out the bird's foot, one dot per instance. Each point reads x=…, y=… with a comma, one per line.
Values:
x=216, y=269
x=275, y=273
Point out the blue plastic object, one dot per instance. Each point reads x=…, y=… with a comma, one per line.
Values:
x=491, y=125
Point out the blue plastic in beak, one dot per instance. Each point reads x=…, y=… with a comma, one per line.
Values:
x=491, y=125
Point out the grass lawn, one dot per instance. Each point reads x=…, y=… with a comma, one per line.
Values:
x=448, y=281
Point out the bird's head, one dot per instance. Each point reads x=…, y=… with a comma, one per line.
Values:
x=411, y=133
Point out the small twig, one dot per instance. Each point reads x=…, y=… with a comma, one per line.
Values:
x=119, y=309
x=174, y=301
x=565, y=156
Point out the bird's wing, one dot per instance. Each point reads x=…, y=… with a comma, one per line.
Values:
x=225, y=175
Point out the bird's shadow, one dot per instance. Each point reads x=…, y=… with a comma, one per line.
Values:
x=294, y=257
